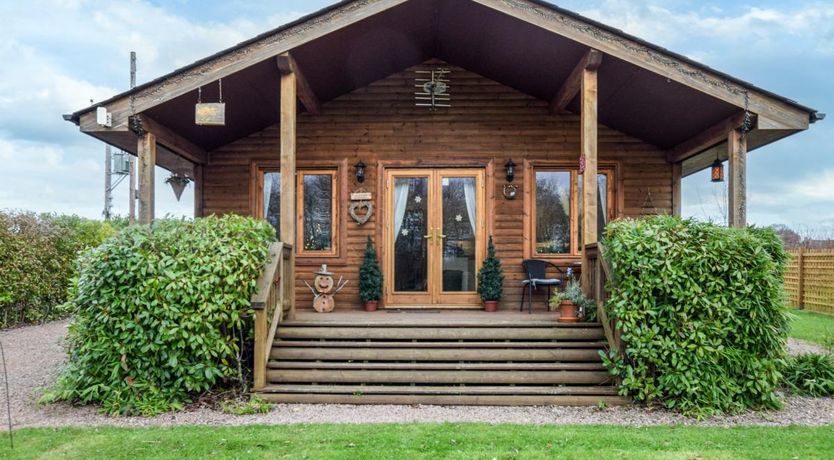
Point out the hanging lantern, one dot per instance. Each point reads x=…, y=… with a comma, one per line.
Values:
x=717, y=171
x=178, y=182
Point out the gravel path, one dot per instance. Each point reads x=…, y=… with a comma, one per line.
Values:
x=35, y=355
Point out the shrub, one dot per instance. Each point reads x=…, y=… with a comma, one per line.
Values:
x=161, y=313
x=491, y=276
x=37, y=261
x=810, y=374
x=370, y=276
x=702, y=314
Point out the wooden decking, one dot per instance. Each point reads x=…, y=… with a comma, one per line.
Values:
x=438, y=358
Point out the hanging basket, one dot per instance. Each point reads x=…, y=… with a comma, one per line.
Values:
x=178, y=182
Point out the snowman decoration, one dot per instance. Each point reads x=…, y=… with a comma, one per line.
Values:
x=323, y=289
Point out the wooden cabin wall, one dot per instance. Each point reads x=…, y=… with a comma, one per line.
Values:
x=487, y=121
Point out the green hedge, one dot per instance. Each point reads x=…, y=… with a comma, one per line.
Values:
x=702, y=313
x=37, y=261
x=160, y=313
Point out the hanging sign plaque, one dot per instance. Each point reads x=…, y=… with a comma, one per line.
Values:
x=210, y=113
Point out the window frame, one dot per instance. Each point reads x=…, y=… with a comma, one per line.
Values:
x=339, y=193
x=334, y=212
x=530, y=169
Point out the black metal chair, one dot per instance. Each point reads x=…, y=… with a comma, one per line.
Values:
x=536, y=271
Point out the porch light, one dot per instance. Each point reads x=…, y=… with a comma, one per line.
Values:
x=360, y=171
x=510, y=167
x=717, y=171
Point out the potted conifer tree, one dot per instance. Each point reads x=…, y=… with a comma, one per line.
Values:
x=491, y=280
x=370, y=278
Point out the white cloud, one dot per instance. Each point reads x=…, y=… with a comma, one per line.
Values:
x=794, y=28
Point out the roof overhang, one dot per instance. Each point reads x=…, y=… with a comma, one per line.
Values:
x=645, y=91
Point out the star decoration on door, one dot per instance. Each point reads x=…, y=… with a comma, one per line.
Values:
x=418, y=199
x=404, y=232
x=459, y=218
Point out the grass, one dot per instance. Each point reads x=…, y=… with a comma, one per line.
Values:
x=813, y=327
x=423, y=441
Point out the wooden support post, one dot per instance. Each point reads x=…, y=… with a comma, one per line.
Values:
x=800, y=292
x=676, y=189
x=588, y=149
x=147, y=162
x=737, y=200
x=198, y=191
x=288, y=140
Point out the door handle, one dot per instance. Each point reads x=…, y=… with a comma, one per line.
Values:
x=441, y=236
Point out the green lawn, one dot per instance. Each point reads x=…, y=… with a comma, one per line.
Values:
x=423, y=441
x=813, y=327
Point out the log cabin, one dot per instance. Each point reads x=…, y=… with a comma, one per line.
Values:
x=429, y=126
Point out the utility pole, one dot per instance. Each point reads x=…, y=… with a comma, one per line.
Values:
x=108, y=182
x=132, y=162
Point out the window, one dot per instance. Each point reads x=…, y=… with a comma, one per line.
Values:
x=272, y=200
x=317, y=218
x=556, y=215
x=317, y=223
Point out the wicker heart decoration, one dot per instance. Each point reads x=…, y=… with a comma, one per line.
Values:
x=362, y=218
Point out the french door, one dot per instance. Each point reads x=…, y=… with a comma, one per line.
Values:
x=434, y=237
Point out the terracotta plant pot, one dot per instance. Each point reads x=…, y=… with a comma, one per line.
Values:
x=371, y=305
x=490, y=306
x=568, y=312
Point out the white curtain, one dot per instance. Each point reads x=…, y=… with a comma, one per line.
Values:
x=469, y=194
x=268, y=194
x=602, y=197
x=400, y=202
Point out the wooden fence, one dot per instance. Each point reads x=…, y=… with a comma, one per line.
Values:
x=809, y=280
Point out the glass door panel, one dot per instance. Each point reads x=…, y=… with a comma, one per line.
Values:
x=458, y=233
x=410, y=234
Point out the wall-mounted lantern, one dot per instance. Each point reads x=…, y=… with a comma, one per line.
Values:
x=510, y=168
x=360, y=171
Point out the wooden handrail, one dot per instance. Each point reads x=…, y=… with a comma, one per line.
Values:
x=270, y=302
x=601, y=277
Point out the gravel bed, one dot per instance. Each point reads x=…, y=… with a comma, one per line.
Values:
x=34, y=357
x=798, y=347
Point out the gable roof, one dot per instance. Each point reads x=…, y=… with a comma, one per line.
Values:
x=74, y=117
x=531, y=45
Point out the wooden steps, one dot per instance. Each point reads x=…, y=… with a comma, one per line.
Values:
x=406, y=361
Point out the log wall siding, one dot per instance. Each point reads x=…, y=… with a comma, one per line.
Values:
x=487, y=122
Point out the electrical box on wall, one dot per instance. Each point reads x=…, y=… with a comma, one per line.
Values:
x=103, y=117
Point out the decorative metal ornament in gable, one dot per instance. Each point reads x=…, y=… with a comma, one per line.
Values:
x=432, y=89
x=210, y=113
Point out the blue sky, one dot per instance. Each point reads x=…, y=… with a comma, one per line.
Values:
x=60, y=54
